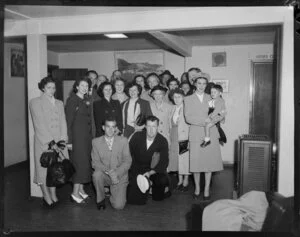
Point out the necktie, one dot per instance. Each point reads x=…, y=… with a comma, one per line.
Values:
x=109, y=143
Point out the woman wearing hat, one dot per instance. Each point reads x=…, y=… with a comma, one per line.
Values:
x=162, y=110
x=135, y=110
x=207, y=159
x=49, y=122
x=179, y=158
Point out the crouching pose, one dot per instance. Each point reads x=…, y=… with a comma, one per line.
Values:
x=144, y=146
x=111, y=160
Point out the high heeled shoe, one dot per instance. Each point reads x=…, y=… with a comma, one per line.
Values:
x=76, y=199
x=184, y=188
x=101, y=205
x=47, y=205
x=196, y=196
x=84, y=196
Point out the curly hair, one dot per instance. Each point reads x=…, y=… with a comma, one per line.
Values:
x=44, y=81
x=77, y=82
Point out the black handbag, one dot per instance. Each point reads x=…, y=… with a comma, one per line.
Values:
x=183, y=146
x=48, y=157
x=60, y=172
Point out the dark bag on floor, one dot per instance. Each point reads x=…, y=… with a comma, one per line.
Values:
x=183, y=146
x=60, y=172
x=48, y=158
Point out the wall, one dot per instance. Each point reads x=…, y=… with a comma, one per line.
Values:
x=237, y=72
x=15, y=146
x=104, y=62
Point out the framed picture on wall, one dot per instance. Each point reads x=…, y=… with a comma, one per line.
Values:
x=131, y=63
x=17, y=63
x=219, y=59
x=223, y=83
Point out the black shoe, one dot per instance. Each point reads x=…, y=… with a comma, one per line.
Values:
x=167, y=194
x=101, y=205
x=47, y=205
x=196, y=196
x=56, y=203
x=204, y=144
x=184, y=189
x=179, y=187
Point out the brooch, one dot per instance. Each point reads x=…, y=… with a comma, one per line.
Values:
x=87, y=103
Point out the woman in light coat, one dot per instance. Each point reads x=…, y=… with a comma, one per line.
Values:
x=207, y=159
x=50, y=126
x=179, y=133
x=162, y=110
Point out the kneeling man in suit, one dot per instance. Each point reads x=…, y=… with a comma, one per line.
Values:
x=111, y=160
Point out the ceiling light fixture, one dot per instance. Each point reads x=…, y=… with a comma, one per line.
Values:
x=115, y=36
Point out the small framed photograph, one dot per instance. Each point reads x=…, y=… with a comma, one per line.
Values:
x=223, y=83
x=219, y=59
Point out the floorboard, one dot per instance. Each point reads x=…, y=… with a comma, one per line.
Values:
x=25, y=213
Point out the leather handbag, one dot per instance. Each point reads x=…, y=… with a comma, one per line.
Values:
x=48, y=158
x=60, y=172
x=183, y=146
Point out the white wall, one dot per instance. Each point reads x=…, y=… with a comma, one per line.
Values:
x=15, y=147
x=104, y=62
x=237, y=71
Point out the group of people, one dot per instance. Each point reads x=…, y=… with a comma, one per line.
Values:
x=116, y=131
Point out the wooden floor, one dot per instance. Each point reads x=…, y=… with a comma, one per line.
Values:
x=23, y=213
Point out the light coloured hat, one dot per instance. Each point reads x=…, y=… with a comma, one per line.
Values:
x=201, y=74
x=143, y=183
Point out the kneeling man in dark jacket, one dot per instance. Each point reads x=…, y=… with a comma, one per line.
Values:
x=144, y=146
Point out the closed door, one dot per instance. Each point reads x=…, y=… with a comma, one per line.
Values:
x=65, y=79
x=263, y=102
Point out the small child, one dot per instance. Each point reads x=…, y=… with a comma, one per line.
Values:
x=217, y=111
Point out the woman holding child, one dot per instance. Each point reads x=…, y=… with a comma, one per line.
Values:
x=208, y=158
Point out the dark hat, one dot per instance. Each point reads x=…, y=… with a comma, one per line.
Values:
x=159, y=88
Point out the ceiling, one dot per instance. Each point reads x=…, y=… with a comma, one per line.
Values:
x=135, y=41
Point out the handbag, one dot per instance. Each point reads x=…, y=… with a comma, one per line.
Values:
x=183, y=146
x=60, y=172
x=48, y=158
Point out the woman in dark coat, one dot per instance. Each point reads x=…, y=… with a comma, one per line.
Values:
x=134, y=110
x=78, y=116
x=107, y=107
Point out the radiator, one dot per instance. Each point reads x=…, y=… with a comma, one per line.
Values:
x=253, y=163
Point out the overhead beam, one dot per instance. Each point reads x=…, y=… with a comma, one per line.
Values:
x=177, y=43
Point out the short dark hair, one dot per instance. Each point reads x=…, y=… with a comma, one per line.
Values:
x=101, y=87
x=44, y=81
x=172, y=79
x=175, y=91
x=90, y=72
x=193, y=69
x=166, y=72
x=77, y=82
x=109, y=119
x=188, y=83
x=152, y=118
x=144, y=78
x=217, y=87
x=132, y=84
